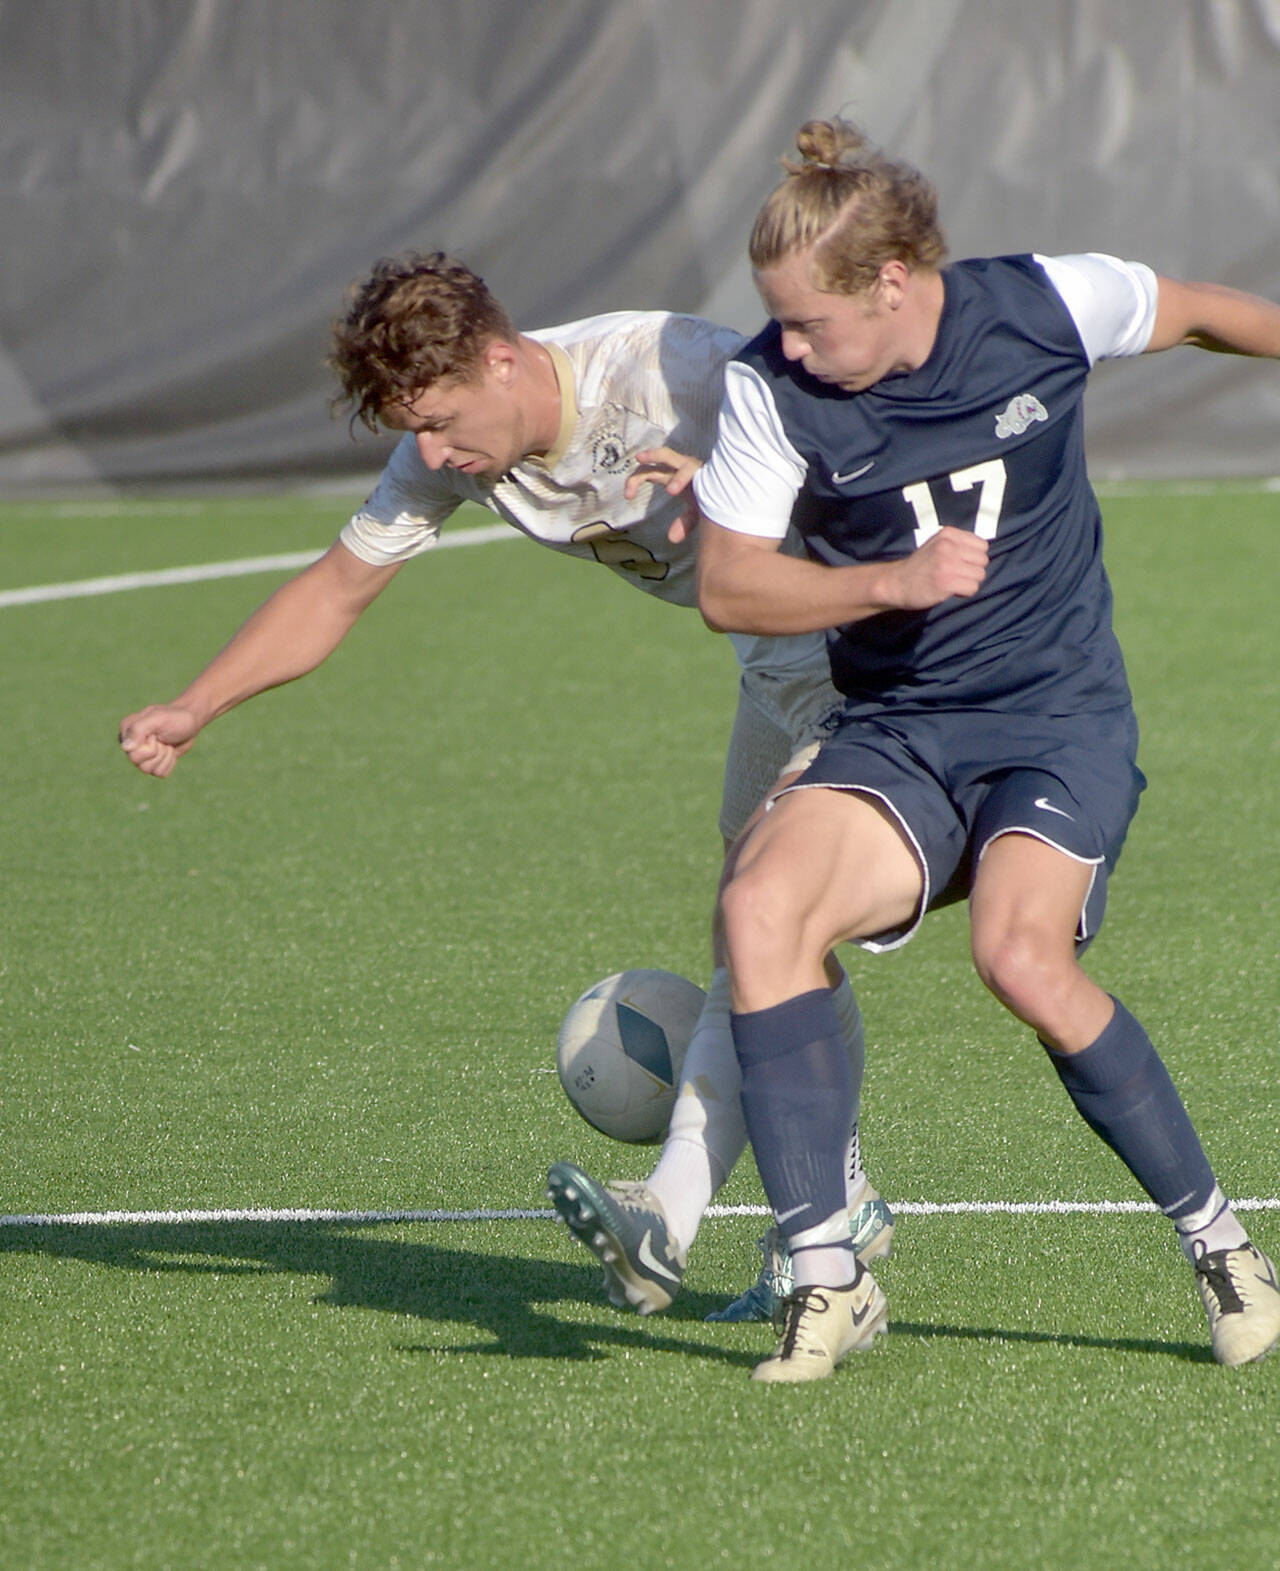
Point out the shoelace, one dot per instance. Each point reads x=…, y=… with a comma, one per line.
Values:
x=631, y=1193
x=1218, y=1276
x=787, y=1317
x=775, y=1274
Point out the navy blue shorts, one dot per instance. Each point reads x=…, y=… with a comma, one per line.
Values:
x=957, y=780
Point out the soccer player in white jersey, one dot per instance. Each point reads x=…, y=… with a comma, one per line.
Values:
x=921, y=426
x=583, y=437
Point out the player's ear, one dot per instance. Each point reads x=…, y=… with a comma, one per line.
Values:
x=500, y=360
x=890, y=286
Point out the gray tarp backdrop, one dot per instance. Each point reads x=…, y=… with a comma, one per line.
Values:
x=187, y=187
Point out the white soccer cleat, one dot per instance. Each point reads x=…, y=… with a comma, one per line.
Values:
x=820, y=1325
x=1242, y=1299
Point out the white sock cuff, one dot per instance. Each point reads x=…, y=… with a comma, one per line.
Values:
x=1214, y=1226
x=1196, y=1221
x=832, y=1230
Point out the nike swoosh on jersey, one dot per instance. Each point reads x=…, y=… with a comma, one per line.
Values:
x=1046, y=806
x=852, y=475
x=648, y=1258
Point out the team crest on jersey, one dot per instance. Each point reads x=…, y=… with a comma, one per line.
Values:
x=1023, y=411
x=609, y=453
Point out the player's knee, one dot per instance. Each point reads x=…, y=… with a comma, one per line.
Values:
x=756, y=922
x=1024, y=969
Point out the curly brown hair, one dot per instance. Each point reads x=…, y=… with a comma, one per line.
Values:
x=857, y=208
x=418, y=318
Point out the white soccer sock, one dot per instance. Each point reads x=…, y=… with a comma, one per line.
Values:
x=822, y=1256
x=1212, y=1227
x=856, y=1182
x=684, y=1182
x=707, y=1134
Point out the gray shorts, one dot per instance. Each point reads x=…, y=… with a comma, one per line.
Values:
x=781, y=722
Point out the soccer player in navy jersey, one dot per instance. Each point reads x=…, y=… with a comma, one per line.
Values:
x=582, y=437
x=921, y=424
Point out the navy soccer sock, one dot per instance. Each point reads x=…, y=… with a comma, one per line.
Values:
x=1122, y=1090
x=797, y=1099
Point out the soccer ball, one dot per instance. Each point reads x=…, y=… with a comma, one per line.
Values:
x=620, y=1051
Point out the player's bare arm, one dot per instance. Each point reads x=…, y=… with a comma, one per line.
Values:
x=674, y=472
x=747, y=585
x=302, y=623
x=1211, y=316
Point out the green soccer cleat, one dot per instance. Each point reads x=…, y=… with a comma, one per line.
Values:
x=870, y=1227
x=818, y=1326
x=1242, y=1299
x=623, y=1226
x=761, y=1299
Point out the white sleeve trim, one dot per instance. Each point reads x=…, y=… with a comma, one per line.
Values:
x=380, y=544
x=402, y=516
x=1112, y=303
x=751, y=481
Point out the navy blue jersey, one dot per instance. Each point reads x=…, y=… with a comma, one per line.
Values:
x=986, y=435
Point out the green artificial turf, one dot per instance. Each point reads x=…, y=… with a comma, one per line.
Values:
x=321, y=968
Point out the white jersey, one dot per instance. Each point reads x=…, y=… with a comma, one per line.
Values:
x=629, y=380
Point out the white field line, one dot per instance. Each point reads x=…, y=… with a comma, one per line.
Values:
x=290, y=562
x=295, y=561
x=370, y=1218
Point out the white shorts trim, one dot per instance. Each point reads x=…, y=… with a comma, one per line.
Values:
x=1095, y=862
x=876, y=946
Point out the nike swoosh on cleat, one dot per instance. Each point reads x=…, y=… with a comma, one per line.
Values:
x=648, y=1258
x=852, y=475
x=1046, y=806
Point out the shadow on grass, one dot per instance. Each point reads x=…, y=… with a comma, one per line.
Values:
x=503, y=1298
x=1192, y=1352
